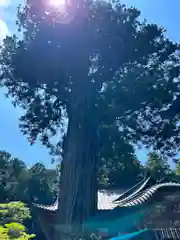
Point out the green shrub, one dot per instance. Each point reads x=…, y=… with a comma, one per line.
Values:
x=12, y=216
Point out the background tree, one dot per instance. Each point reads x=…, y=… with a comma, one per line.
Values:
x=177, y=170
x=13, y=173
x=158, y=167
x=42, y=184
x=22, y=184
x=119, y=167
x=104, y=70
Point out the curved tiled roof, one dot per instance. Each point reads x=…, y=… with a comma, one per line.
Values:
x=137, y=195
x=147, y=194
x=133, y=191
x=166, y=233
x=141, y=186
x=106, y=199
x=144, y=192
x=53, y=207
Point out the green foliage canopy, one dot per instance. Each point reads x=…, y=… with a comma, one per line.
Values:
x=127, y=68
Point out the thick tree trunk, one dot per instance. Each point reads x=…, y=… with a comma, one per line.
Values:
x=78, y=188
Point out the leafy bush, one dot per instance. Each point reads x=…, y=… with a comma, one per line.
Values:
x=12, y=216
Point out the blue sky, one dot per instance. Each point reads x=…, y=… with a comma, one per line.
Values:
x=163, y=12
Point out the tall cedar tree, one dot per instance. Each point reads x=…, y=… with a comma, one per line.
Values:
x=105, y=69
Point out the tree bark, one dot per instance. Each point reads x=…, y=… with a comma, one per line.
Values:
x=78, y=183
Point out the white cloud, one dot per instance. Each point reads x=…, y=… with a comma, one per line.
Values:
x=4, y=2
x=3, y=30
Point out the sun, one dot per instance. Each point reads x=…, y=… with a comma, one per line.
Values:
x=58, y=3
